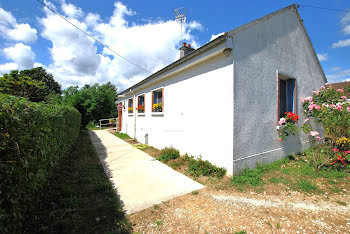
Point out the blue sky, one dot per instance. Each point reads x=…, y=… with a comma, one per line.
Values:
x=145, y=33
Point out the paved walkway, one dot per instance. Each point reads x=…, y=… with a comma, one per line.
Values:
x=140, y=180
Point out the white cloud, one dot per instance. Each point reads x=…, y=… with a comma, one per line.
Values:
x=322, y=57
x=21, y=54
x=216, y=36
x=11, y=30
x=76, y=60
x=341, y=43
x=71, y=10
x=342, y=74
x=335, y=68
x=7, y=67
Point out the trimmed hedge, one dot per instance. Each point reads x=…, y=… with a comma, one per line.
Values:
x=33, y=136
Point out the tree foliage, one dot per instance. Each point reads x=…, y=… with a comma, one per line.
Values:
x=35, y=84
x=93, y=102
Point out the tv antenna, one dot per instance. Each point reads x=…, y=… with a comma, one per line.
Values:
x=180, y=16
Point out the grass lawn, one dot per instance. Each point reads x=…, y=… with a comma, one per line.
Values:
x=78, y=198
x=297, y=172
x=122, y=135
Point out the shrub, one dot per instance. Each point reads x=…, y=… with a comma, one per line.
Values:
x=168, y=154
x=32, y=137
x=197, y=167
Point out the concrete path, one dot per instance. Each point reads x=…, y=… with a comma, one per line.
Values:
x=140, y=180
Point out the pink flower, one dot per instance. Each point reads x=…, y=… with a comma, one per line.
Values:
x=312, y=106
x=344, y=97
x=339, y=107
x=315, y=92
x=307, y=99
x=307, y=119
x=348, y=108
x=324, y=104
x=279, y=139
x=282, y=121
x=322, y=87
x=318, y=138
x=340, y=90
x=317, y=107
x=313, y=133
x=332, y=106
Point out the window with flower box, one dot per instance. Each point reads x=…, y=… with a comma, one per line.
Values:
x=286, y=95
x=157, y=100
x=141, y=104
x=130, y=106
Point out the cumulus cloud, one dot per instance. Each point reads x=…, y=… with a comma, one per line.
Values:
x=216, y=36
x=341, y=43
x=7, y=67
x=20, y=54
x=345, y=22
x=71, y=11
x=11, y=30
x=322, y=57
x=77, y=59
x=339, y=75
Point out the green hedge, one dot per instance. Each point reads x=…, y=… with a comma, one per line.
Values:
x=33, y=136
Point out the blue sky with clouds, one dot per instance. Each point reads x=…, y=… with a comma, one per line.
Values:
x=145, y=33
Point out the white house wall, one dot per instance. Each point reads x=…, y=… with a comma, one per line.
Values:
x=198, y=112
x=276, y=44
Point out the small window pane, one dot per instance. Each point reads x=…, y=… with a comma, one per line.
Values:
x=141, y=104
x=130, y=106
x=157, y=101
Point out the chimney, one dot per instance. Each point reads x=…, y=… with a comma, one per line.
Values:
x=185, y=49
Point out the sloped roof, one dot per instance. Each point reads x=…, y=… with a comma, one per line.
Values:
x=223, y=37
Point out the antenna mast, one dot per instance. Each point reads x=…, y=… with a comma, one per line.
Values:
x=180, y=16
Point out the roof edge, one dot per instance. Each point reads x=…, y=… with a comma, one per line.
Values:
x=194, y=53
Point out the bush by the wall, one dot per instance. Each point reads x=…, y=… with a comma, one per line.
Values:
x=197, y=167
x=168, y=153
x=32, y=138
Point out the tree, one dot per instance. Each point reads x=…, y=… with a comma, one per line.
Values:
x=93, y=102
x=35, y=84
x=18, y=85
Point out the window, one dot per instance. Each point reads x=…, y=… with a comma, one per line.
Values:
x=286, y=95
x=141, y=104
x=130, y=106
x=157, y=100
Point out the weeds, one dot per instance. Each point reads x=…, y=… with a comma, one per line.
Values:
x=341, y=203
x=122, y=135
x=197, y=167
x=168, y=154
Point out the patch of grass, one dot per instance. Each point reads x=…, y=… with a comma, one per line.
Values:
x=168, y=154
x=177, y=164
x=307, y=186
x=341, y=203
x=142, y=146
x=241, y=232
x=159, y=223
x=251, y=177
x=279, y=180
x=197, y=167
x=278, y=226
x=195, y=192
x=122, y=135
x=156, y=207
x=78, y=198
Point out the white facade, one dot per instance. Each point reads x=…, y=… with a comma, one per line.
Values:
x=220, y=101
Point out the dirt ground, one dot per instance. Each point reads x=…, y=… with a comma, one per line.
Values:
x=220, y=208
x=218, y=211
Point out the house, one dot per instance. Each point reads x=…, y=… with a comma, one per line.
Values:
x=222, y=101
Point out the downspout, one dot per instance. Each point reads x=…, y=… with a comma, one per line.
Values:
x=134, y=108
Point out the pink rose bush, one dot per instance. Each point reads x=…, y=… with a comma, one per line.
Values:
x=331, y=108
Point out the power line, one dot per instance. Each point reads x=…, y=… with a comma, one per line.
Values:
x=104, y=45
x=324, y=8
